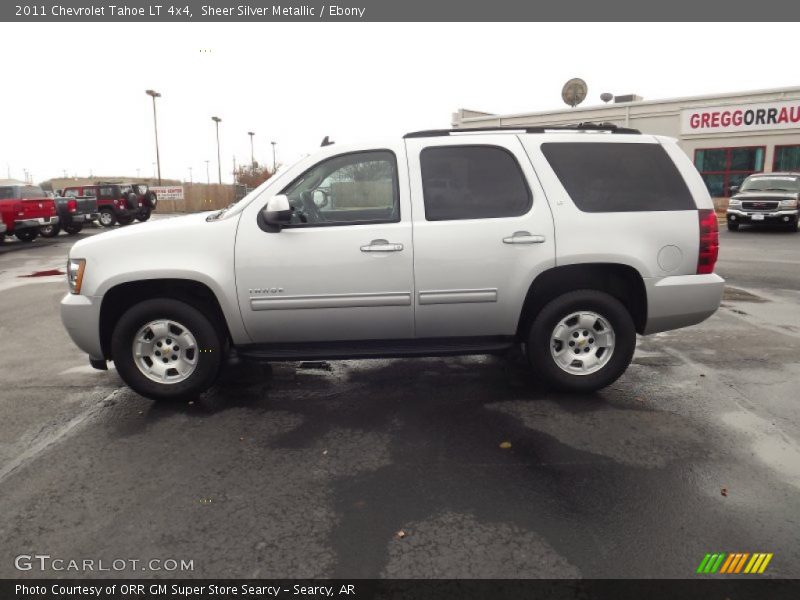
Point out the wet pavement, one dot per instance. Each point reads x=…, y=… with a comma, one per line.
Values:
x=441, y=467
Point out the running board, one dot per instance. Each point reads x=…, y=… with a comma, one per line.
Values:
x=376, y=349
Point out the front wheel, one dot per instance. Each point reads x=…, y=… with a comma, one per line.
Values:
x=27, y=235
x=49, y=231
x=166, y=349
x=733, y=226
x=581, y=341
x=107, y=217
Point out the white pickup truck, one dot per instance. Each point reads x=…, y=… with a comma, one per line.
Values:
x=568, y=241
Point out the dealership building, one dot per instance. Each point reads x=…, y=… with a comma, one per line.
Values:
x=728, y=136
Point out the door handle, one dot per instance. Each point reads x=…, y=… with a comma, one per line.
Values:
x=381, y=246
x=523, y=237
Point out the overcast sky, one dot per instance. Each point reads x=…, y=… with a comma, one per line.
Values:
x=73, y=98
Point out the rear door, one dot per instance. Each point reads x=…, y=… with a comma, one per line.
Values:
x=482, y=232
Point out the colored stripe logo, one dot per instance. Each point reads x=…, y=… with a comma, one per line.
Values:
x=734, y=563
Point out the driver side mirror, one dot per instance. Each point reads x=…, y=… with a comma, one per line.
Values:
x=276, y=213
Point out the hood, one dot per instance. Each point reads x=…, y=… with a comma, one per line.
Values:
x=756, y=195
x=132, y=235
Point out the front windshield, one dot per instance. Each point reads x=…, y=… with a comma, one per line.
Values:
x=771, y=184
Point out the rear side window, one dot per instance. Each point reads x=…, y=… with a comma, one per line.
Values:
x=472, y=182
x=106, y=193
x=609, y=177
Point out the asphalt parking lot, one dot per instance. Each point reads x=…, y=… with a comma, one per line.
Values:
x=456, y=467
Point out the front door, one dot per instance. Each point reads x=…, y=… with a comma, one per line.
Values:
x=343, y=269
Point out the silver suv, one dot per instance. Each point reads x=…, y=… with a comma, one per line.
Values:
x=567, y=241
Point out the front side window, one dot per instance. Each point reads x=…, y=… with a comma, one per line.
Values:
x=472, y=182
x=350, y=189
x=722, y=168
x=617, y=177
x=91, y=192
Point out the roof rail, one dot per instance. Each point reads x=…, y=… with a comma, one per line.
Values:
x=587, y=126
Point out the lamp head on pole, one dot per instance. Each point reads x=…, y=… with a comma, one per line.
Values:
x=153, y=93
x=216, y=119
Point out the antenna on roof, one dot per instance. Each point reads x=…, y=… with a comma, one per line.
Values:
x=326, y=141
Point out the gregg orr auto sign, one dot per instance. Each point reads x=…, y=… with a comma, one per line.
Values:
x=743, y=117
x=168, y=192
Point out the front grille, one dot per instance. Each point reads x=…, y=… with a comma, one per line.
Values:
x=760, y=205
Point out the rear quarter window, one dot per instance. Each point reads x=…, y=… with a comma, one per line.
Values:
x=614, y=177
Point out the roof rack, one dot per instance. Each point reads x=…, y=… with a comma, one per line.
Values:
x=609, y=127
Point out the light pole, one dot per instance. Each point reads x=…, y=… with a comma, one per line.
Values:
x=191, y=181
x=273, y=155
x=154, y=94
x=252, y=160
x=208, y=179
x=219, y=163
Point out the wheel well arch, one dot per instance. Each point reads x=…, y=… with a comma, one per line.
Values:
x=121, y=297
x=621, y=281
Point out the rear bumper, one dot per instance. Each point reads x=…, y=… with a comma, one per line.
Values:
x=776, y=217
x=40, y=222
x=682, y=300
x=75, y=219
x=81, y=317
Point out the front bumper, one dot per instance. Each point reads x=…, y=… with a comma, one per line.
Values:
x=776, y=217
x=40, y=222
x=681, y=300
x=81, y=317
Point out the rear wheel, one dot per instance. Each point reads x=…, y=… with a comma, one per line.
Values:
x=166, y=349
x=733, y=226
x=127, y=220
x=581, y=341
x=49, y=231
x=107, y=217
x=144, y=214
x=74, y=228
x=27, y=235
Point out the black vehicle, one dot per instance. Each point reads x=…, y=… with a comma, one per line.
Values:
x=148, y=199
x=766, y=199
x=73, y=214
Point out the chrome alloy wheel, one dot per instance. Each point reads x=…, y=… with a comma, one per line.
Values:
x=106, y=218
x=165, y=351
x=582, y=343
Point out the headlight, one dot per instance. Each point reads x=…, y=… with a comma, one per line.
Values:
x=75, y=267
x=734, y=202
x=789, y=203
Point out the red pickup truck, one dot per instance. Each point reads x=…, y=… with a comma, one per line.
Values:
x=24, y=209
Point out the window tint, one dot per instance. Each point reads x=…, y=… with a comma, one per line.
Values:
x=472, y=182
x=612, y=177
x=350, y=189
x=91, y=192
x=6, y=193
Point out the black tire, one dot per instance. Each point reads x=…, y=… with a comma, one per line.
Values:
x=126, y=220
x=73, y=228
x=107, y=218
x=539, y=341
x=50, y=231
x=132, y=201
x=209, y=354
x=793, y=226
x=733, y=226
x=27, y=235
x=144, y=214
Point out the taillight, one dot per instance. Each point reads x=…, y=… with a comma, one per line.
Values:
x=72, y=206
x=709, y=241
